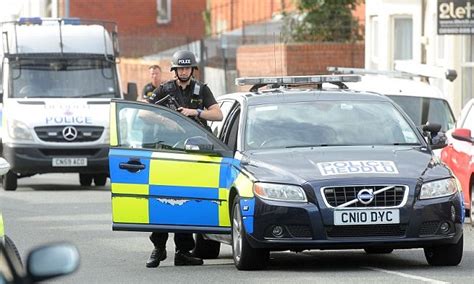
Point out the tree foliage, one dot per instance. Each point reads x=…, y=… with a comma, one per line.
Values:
x=322, y=20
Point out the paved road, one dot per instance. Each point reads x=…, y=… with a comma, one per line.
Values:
x=54, y=207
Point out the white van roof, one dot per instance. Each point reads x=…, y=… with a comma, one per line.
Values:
x=396, y=86
x=46, y=38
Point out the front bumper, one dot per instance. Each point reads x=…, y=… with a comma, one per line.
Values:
x=306, y=226
x=34, y=160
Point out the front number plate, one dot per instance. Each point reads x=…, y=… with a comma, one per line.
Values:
x=366, y=217
x=69, y=162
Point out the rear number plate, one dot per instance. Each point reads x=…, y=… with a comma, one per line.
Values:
x=366, y=217
x=69, y=162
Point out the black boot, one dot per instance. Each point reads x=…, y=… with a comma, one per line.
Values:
x=157, y=255
x=182, y=258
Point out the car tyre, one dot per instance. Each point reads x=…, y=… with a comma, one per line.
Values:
x=445, y=255
x=100, y=180
x=378, y=250
x=206, y=249
x=245, y=256
x=85, y=179
x=10, y=245
x=10, y=181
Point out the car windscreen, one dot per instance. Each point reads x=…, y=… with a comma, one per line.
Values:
x=422, y=109
x=61, y=78
x=326, y=123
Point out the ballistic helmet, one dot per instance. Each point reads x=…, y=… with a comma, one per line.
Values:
x=183, y=58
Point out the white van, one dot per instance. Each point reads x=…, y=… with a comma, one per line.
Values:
x=424, y=103
x=59, y=76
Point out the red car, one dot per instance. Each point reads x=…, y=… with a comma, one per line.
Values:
x=459, y=155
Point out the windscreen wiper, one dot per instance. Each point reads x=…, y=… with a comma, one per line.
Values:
x=310, y=145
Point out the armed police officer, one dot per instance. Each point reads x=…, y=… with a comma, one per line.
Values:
x=193, y=99
x=155, y=76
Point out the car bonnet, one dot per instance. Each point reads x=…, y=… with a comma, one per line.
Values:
x=311, y=164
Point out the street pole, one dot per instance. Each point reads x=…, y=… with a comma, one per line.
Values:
x=423, y=38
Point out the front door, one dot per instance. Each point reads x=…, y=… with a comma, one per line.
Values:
x=167, y=172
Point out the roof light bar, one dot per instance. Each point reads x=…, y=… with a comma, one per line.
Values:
x=71, y=21
x=30, y=21
x=425, y=70
x=403, y=69
x=297, y=80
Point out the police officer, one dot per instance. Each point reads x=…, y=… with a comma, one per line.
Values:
x=155, y=75
x=193, y=99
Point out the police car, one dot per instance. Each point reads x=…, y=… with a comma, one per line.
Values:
x=293, y=166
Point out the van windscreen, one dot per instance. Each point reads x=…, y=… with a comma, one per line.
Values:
x=424, y=109
x=63, y=78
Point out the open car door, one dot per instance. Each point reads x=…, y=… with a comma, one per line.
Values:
x=167, y=172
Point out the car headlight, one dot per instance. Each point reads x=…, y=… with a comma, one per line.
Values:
x=438, y=188
x=19, y=130
x=279, y=192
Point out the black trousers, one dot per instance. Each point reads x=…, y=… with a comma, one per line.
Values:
x=182, y=241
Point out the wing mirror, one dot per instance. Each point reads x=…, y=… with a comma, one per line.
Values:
x=436, y=138
x=462, y=134
x=51, y=261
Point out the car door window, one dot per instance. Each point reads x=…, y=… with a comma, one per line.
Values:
x=216, y=126
x=153, y=127
x=231, y=138
x=232, y=129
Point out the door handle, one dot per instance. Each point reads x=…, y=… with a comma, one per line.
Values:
x=132, y=166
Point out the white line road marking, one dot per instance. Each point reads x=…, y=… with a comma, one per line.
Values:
x=414, y=277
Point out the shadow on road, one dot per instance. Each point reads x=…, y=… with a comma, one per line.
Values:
x=65, y=187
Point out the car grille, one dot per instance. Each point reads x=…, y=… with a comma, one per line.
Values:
x=429, y=228
x=299, y=231
x=394, y=230
x=335, y=196
x=55, y=133
x=290, y=231
x=70, y=152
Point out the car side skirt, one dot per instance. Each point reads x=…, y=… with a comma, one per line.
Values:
x=170, y=228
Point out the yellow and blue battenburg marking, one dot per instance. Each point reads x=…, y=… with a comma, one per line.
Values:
x=172, y=189
x=247, y=207
x=2, y=232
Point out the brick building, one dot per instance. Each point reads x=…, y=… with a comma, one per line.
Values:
x=146, y=26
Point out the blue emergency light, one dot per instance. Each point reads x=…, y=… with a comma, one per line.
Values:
x=30, y=21
x=71, y=21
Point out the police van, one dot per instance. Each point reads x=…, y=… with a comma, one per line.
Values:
x=58, y=77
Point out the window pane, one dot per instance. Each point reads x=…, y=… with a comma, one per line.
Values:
x=152, y=127
x=403, y=39
x=326, y=123
x=421, y=110
x=164, y=11
x=92, y=78
x=375, y=39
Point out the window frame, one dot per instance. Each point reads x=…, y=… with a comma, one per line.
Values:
x=395, y=34
x=163, y=17
x=374, y=37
